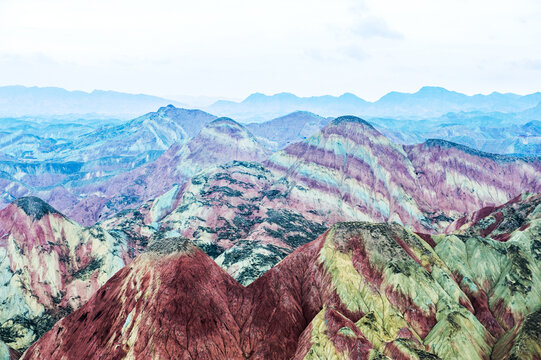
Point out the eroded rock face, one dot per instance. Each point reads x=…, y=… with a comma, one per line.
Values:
x=500, y=272
x=361, y=291
x=49, y=266
x=498, y=222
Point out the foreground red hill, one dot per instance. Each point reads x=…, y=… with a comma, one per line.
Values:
x=359, y=291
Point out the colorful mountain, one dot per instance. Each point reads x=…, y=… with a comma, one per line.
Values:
x=221, y=141
x=249, y=216
x=353, y=172
x=49, y=266
x=359, y=291
x=350, y=170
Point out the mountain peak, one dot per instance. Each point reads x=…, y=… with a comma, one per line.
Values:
x=351, y=119
x=350, y=97
x=496, y=157
x=433, y=90
x=226, y=125
x=259, y=97
x=285, y=95
x=224, y=120
x=169, y=107
x=254, y=97
x=35, y=207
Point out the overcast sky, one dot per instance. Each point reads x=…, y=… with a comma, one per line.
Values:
x=236, y=47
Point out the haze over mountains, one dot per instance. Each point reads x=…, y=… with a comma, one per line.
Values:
x=18, y=101
x=427, y=102
x=499, y=123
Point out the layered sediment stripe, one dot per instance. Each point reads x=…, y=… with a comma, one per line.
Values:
x=351, y=161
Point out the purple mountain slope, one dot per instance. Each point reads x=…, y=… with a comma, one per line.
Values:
x=220, y=141
x=97, y=156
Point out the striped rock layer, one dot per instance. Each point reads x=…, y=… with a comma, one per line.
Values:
x=351, y=171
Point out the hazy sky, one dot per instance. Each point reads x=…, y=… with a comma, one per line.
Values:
x=235, y=47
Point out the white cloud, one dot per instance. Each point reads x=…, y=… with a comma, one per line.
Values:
x=232, y=48
x=368, y=27
x=532, y=64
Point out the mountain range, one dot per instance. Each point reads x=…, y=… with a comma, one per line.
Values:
x=359, y=291
x=114, y=167
x=428, y=102
x=180, y=234
x=17, y=101
x=249, y=215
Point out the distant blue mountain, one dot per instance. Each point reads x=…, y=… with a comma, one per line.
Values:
x=533, y=113
x=426, y=103
x=287, y=129
x=17, y=101
x=259, y=107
